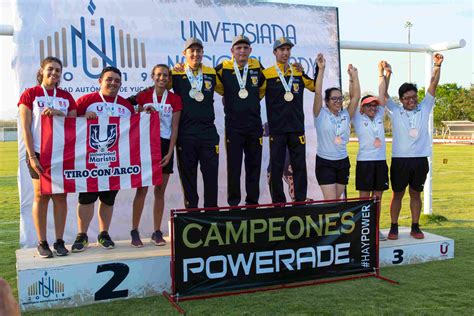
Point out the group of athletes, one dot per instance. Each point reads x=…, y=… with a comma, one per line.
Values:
x=187, y=123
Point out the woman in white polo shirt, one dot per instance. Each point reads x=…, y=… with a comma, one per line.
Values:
x=45, y=99
x=368, y=122
x=332, y=124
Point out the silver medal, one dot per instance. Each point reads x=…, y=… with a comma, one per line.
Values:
x=192, y=93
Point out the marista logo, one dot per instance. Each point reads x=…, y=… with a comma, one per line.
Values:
x=91, y=45
x=46, y=289
x=102, y=140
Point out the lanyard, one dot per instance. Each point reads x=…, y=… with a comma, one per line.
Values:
x=110, y=108
x=286, y=85
x=241, y=79
x=336, y=120
x=411, y=115
x=160, y=106
x=373, y=125
x=49, y=101
x=195, y=81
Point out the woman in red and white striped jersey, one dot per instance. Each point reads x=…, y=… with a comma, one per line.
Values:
x=45, y=99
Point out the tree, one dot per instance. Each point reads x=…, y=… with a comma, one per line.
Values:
x=453, y=103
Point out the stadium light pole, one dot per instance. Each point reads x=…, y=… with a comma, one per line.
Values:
x=408, y=25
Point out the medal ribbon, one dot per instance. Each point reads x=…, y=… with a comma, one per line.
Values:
x=411, y=117
x=49, y=102
x=241, y=79
x=373, y=125
x=110, y=109
x=286, y=85
x=160, y=106
x=195, y=81
x=336, y=120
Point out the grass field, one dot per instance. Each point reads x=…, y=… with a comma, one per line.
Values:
x=443, y=287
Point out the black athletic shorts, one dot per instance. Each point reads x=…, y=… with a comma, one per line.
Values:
x=372, y=175
x=408, y=171
x=106, y=197
x=332, y=171
x=33, y=173
x=165, y=146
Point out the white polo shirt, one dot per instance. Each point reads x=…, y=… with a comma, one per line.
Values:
x=404, y=145
x=367, y=131
x=328, y=127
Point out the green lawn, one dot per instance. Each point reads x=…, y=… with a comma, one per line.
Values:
x=443, y=287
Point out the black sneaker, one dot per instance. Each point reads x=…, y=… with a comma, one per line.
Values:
x=43, y=250
x=416, y=232
x=393, y=233
x=59, y=248
x=105, y=241
x=81, y=242
x=157, y=238
x=136, y=241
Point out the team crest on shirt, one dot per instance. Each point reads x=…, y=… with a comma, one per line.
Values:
x=208, y=84
x=254, y=80
x=121, y=110
x=296, y=87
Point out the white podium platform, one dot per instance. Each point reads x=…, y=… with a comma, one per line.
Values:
x=98, y=275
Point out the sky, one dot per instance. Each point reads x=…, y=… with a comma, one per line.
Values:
x=434, y=21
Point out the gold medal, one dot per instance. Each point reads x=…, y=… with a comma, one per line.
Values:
x=338, y=140
x=413, y=133
x=377, y=142
x=288, y=96
x=199, y=96
x=243, y=93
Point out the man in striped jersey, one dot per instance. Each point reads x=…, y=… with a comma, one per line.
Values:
x=104, y=103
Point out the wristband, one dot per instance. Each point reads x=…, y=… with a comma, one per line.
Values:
x=437, y=65
x=33, y=157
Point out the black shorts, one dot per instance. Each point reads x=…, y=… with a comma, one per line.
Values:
x=408, y=171
x=372, y=175
x=165, y=146
x=106, y=197
x=332, y=171
x=33, y=173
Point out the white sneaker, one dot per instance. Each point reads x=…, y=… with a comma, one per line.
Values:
x=382, y=237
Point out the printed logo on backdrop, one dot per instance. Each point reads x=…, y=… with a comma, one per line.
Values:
x=46, y=289
x=443, y=248
x=89, y=45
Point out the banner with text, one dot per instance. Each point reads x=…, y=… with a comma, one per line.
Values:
x=80, y=155
x=88, y=35
x=219, y=251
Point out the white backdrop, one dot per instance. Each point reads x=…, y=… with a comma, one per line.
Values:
x=134, y=36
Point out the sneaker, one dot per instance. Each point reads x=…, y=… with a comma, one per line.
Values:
x=43, y=250
x=59, y=248
x=105, y=241
x=81, y=242
x=136, y=241
x=382, y=236
x=416, y=232
x=393, y=233
x=157, y=238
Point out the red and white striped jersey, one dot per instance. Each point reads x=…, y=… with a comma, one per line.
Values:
x=34, y=99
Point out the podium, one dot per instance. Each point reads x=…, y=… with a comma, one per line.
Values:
x=99, y=275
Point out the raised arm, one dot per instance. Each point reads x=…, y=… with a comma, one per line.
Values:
x=318, y=89
x=385, y=72
x=438, y=60
x=354, y=89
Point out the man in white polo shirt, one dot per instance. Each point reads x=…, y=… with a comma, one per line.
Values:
x=411, y=148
